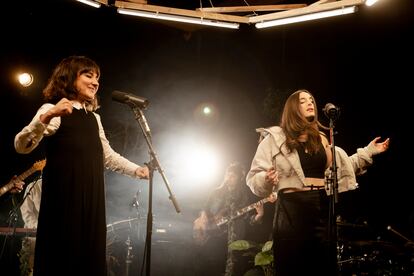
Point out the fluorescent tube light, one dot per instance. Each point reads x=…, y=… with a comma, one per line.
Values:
x=370, y=2
x=179, y=18
x=306, y=17
x=90, y=3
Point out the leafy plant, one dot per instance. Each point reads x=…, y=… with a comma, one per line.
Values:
x=262, y=254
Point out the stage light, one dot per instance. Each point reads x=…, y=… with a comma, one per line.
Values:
x=306, y=17
x=200, y=162
x=206, y=114
x=25, y=79
x=206, y=110
x=178, y=18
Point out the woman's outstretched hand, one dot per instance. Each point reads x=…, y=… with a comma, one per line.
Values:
x=379, y=147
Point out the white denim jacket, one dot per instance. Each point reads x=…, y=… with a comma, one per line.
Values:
x=272, y=152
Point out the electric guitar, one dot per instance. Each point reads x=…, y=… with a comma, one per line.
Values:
x=223, y=220
x=37, y=166
x=204, y=228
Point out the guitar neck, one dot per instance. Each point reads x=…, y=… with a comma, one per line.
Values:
x=21, y=177
x=251, y=207
x=242, y=211
x=26, y=174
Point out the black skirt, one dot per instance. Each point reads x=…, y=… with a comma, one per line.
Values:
x=304, y=240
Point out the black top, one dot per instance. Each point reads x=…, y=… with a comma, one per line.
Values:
x=71, y=235
x=313, y=165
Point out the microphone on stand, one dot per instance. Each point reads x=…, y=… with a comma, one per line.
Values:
x=129, y=99
x=331, y=111
x=133, y=101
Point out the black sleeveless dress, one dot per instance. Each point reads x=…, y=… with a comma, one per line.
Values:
x=71, y=234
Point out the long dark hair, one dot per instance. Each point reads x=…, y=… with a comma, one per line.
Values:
x=294, y=124
x=238, y=169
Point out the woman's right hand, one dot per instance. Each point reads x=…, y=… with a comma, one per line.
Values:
x=142, y=172
x=62, y=108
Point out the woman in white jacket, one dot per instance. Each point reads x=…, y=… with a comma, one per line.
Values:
x=293, y=160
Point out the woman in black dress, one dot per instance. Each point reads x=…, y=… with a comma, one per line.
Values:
x=71, y=233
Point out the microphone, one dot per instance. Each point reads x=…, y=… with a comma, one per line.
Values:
x=331, y=111
x=133, y=100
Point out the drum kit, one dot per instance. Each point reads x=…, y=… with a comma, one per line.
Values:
x=124, y=240
x=358, y=254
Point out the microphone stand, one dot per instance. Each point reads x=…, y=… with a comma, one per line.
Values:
x=332, y=186
x=153, y=165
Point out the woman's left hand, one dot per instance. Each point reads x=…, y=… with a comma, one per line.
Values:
x=380, y=147
x=18, y=185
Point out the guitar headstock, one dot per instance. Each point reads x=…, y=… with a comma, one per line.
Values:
x=39, y=165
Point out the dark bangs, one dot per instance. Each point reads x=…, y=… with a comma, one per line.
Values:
x=87, y=65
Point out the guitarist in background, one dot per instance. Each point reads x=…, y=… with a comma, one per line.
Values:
x=231, y=196
x=15, y=185
x=13, y=202
x=30, y=213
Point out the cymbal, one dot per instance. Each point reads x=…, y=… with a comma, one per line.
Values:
x=368, y=242
x=120, y=221
x=122, y=224
x=374, y=244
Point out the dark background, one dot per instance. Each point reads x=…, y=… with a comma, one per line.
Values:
x=361, y=62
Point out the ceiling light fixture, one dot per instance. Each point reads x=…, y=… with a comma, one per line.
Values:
x=370, y=2
x=306, y=17
x=179, y=18
x=90, y=3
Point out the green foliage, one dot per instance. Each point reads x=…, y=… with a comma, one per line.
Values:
x=262, y=254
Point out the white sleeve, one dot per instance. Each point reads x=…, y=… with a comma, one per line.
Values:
x=362, y=159
x=262, y=162
x=30, y=136
x=113, y=160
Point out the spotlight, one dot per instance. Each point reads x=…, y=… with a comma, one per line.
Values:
x=206, y=113
x=25, y=79
x=207, y=110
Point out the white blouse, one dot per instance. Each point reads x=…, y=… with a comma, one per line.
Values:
x=31, y=135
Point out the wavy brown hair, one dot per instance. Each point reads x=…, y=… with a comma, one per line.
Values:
x=62, y=82
x=294, y=124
